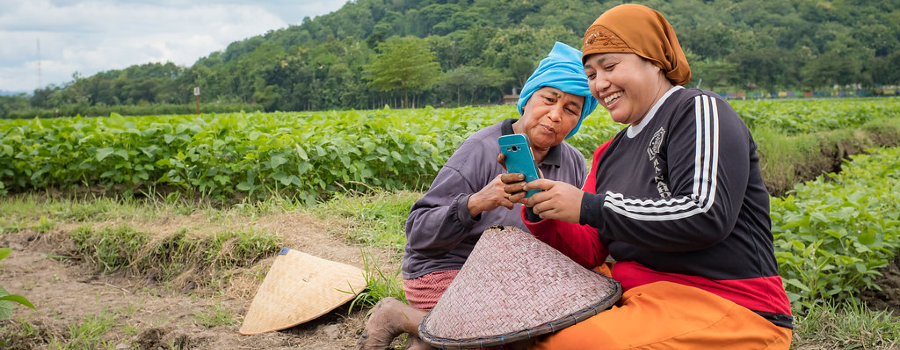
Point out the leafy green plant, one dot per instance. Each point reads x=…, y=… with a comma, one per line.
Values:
x=302, y=155
x=831, y=237
x=9, y=301
x=309, y=155
x=794, y=117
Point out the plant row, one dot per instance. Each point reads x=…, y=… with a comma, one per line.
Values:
x=307, y=155
x=304, y=154
x=793, y=117
x=832, y=235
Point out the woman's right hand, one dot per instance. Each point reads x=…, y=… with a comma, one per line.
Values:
x=513, y=185
x=490, y=197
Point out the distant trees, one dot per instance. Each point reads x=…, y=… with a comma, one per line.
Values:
x=375, y=52
x=404, y=64
x=470, y=80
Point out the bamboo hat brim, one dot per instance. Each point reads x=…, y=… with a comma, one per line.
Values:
x=514, y=287
x=298, y=288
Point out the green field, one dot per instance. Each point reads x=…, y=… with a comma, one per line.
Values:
x=207, y=198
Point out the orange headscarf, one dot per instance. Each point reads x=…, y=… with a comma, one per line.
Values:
x=638, y=29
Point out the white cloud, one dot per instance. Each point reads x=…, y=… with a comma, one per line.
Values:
x=99, y=35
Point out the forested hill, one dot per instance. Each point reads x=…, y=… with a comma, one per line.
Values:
x=376, y=52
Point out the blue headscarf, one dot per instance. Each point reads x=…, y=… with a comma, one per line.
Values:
x=563, y=70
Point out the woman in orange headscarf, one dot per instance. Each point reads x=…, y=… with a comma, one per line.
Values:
x=675, y=198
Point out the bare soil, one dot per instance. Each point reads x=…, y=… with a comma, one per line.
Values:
x=888, y=298
x=154, y=316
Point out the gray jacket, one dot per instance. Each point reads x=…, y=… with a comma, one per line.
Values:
x=440, y=232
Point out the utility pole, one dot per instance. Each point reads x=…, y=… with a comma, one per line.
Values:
x=197, y=95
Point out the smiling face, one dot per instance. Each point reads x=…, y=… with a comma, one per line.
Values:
x=548, y=116
x=625, y=84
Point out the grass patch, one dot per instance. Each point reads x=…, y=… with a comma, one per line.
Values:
x=87, y=334
x=240, y=248
x=779, y=155
x=786, y=160
x=380, y=285
x=215, y=316
x=379, y=218
x=21, y=334
x=111, y=248
x=115, y=248
x=848, y=325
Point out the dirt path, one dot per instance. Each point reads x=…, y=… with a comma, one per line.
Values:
x=148, y=315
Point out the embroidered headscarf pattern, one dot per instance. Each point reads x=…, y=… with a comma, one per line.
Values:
x=638, y=29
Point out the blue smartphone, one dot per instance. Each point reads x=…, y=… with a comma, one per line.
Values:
x=518, y=158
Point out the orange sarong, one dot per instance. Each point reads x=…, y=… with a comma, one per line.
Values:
x=666, y=315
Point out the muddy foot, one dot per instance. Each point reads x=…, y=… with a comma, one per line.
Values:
x=384, y=324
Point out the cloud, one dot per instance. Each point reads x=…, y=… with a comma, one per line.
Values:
x=98, y=35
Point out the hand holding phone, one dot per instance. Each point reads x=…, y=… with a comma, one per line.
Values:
x=518, y=157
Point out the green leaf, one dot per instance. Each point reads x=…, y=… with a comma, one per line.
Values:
x=835, y=234
x=295, y=180
x=303, y=167
x=867, y=238
x=18, y=299
x=301, y=153
x=122, y=153
x=797, y=284
x=282, y=177
x=4, y=252
x=149, y=151
x=104, y=152
x=276, y=161
x=222, y=179
x=818, y=216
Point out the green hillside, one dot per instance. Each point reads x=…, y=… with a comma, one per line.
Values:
x=487, y=48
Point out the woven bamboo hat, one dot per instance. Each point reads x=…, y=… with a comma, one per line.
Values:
x=298, y=288
x=514, y=287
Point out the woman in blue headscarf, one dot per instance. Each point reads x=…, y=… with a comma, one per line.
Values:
x=466, y=196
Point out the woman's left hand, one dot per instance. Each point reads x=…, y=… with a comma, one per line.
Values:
x=557, y=200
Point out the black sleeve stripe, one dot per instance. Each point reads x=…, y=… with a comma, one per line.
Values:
x=706, y=156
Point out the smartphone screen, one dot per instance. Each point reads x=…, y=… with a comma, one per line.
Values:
x=518, y=156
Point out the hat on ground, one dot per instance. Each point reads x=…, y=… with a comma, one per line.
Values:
x=298, y=288
x=514, y=287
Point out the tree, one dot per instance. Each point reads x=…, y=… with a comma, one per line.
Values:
x=403, y=64
x=518, y=50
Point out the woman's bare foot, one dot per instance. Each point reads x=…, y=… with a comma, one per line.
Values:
x=390, y=318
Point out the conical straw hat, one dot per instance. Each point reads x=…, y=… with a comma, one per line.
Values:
x=298, y=288
x=514, y=287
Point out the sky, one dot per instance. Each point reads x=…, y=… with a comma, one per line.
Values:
x=92, y=36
